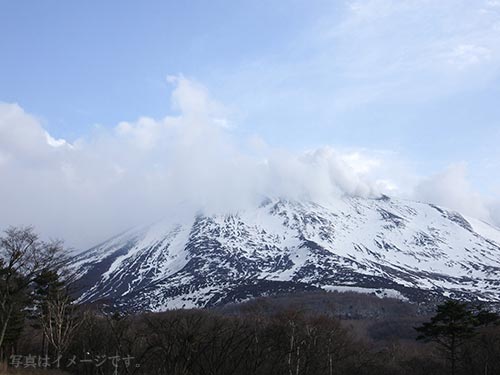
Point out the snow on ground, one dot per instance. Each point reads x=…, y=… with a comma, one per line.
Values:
x=381, y=293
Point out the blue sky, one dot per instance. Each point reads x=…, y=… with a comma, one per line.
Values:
x=279, y=64
x=414, y=84
x=80, y=63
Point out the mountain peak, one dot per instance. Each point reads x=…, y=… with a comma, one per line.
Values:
x=401, y=248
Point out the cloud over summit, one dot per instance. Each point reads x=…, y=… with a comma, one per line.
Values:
x=147, y=169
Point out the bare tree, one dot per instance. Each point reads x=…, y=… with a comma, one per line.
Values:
x=60, y=321
x=22, y=256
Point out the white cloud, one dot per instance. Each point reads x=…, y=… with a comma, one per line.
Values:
x=23, y=137
x=55, y=142
x=373, y=51
x=359, y=163
x=192, y=99
x=466, y=55
x=493, y=3
x=494, y=208
x=140, y=171
x=143, y=170
x=415, y=49
x=452, y=189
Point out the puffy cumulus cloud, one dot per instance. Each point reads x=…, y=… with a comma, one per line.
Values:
x=150, y=169
x=451, y=188
x=193, y=100
x=145, y=170
x=23, y=138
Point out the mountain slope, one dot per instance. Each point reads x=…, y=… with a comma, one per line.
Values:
x=399, y=248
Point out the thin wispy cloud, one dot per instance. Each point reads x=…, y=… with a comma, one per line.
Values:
x=407, y=50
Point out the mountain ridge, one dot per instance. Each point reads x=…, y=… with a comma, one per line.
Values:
x=409, y=250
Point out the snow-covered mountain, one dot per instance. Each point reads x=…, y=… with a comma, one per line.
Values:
x=398, y=248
